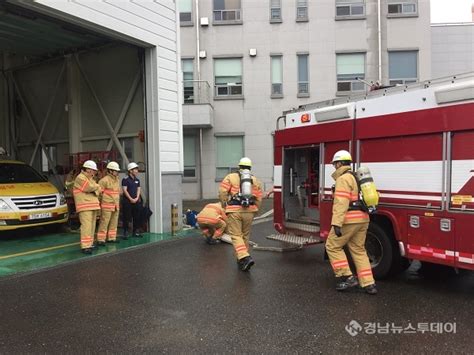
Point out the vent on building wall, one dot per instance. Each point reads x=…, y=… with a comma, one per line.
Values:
x=204, y=21
x=202, y=54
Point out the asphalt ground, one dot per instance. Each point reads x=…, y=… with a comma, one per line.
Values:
x=183, y=296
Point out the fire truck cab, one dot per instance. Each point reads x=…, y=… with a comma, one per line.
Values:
x=418, y=142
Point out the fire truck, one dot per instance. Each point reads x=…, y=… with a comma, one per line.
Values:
x=418, y=142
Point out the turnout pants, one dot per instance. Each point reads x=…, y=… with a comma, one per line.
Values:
x=131, y=212
x=108, y=225
x=353, y=235
x=238, y=227
x=88, y=222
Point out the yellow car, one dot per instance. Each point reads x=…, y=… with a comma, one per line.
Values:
x=27, y=199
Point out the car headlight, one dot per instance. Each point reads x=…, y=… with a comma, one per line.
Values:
x=62, y=199
x=4, y=206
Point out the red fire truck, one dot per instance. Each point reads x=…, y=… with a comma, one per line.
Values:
x=418, y=142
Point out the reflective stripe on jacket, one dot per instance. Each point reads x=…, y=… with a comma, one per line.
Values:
x=213, y=215
x=85, y=192
x=231, y=186
x=346, y=191
x=111, y=193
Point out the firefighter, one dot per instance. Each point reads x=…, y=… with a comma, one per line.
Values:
x=86, y=197
x=131, y=201
x=349, y=227
x=109, y=205
x=240, y=194
x=212, y=222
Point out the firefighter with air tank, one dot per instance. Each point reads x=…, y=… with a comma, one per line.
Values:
x=110, y=205
x=240, y=194
x=86, y=198
x=212, y=222
x=350, y=222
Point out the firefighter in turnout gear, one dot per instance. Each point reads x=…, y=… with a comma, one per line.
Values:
x=86, y=198
x=349, y=227
x=212, y=222
x=110, y=205
x=240, y=194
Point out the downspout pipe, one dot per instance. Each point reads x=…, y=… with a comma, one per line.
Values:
x=379, y=37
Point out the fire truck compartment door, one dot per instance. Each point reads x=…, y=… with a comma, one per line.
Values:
x=431, y=239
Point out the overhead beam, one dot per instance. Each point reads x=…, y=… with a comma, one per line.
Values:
x=118, y=145
x=48, y=112
x=126, y=107
x=31, y=119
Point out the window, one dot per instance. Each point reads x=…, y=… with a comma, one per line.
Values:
x=350, y=67
x=19, y=173
x=188, y=83
x=350, y=8
x=228, y=76
x=189, y=144
x=185, y=10
x=301, y=10
x=403, y=67
x=277, y=76
x=275, y=10
x=402, y=7
x=51, y=153
x=229, y=151
x=227, y=10
x=303, y=81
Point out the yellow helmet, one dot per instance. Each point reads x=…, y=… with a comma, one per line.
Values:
x=245, y=162
x=342, y=155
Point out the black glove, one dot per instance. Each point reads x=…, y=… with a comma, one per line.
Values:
x=337, y=230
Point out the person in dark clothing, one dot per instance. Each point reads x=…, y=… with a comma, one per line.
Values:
x=131, y=203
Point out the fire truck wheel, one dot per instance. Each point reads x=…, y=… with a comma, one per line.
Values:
x=380, y=250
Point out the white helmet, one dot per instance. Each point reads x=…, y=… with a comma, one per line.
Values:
x=90, y=164
x=341, y=155
x=132, y=166
x=245, y=162
x=113, y=166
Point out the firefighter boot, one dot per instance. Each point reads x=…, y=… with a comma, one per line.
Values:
x=246, y=263
x=371, y=289
x=345, y=282
x=87, y=250
x=211, y=241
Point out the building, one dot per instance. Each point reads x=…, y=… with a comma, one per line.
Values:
x=88, y=76
x=244, y=62
x=452, y=48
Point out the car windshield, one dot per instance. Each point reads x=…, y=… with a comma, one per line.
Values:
x=19, y=173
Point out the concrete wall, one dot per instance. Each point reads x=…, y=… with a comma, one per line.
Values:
x=322, y=37
x=452, y=49
x=150, y=24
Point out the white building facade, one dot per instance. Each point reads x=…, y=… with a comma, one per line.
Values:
x=244, y=62
x=452, y=48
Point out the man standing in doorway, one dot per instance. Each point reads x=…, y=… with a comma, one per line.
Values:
x=131, y=201
x=86, y=198
x=240, y=194
x=349, y=227
x=109, y=204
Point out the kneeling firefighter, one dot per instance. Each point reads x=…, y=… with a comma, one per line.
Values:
x=241, y=195
x=109, y=204
x=349, y=227
x=86, y=198
x=212, y=222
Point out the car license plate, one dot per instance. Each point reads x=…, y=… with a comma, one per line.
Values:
x=39, y=215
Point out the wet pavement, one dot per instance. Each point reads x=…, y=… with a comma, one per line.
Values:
x=183, y=296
